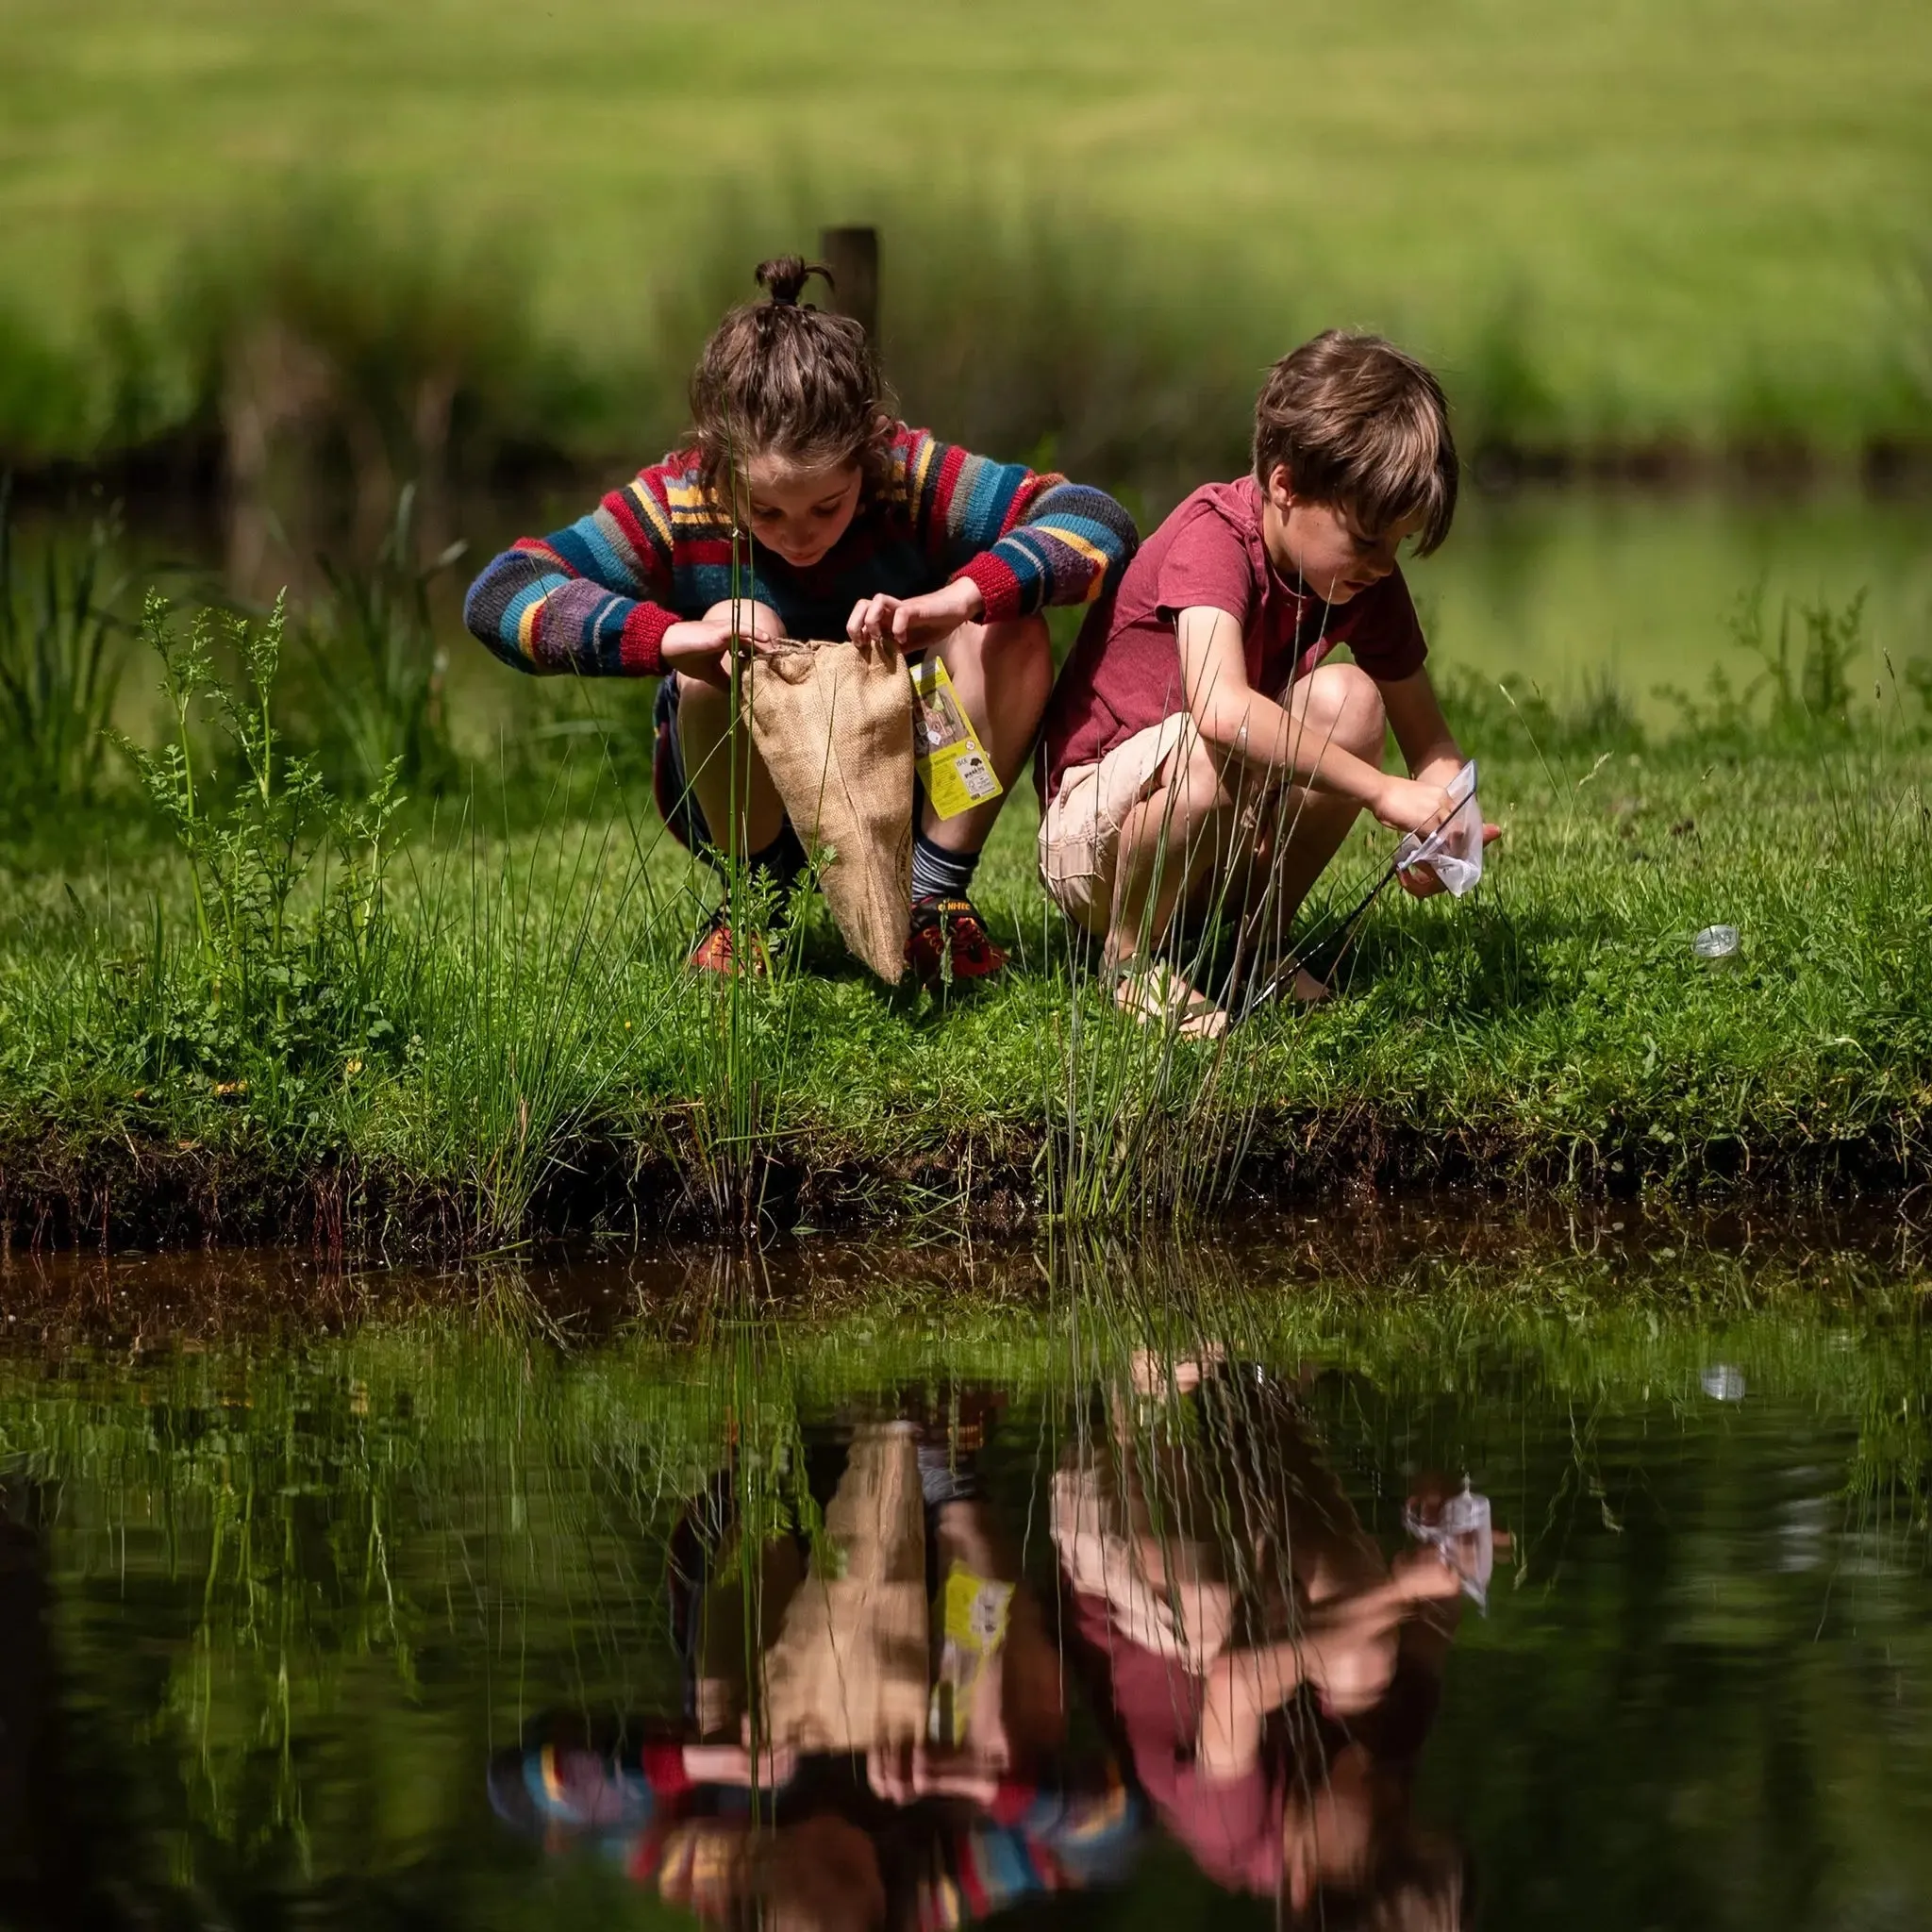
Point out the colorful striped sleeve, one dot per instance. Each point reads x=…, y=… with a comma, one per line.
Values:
x=592, y=599
x=1027, y=538
x=1033, y=1841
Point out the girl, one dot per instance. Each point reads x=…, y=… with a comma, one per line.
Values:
x=858, y=526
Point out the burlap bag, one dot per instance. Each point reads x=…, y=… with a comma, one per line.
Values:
x=849, y=1666
x=834, y=726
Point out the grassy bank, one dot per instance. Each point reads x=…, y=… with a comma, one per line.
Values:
x=264, y=995
x=1654, y=228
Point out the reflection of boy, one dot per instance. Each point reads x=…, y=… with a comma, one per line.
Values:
x=1271, y=1677
x=1197, y=748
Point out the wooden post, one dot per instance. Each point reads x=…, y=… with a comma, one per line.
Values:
x=853, y=255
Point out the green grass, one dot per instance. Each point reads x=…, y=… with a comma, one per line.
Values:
x=470, y=1024
x=1624, y=226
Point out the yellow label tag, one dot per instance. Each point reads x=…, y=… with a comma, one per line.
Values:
x=975, y=1611
x=951, y=762
x=973, y=1617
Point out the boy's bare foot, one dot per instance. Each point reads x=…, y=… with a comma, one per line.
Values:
x=1307, y=988
x=1155, y=994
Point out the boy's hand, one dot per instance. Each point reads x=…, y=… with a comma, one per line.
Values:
x=1420, y=882
x=907, y=623
x=1404, y=805
x=1421, y=1576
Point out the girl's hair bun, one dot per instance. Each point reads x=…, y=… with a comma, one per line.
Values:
x=786, y=378
x=784, y=277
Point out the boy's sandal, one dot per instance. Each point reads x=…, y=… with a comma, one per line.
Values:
x=1155, y=995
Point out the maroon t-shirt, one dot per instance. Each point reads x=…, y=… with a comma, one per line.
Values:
x=1125, y=672
x=1232, y=1826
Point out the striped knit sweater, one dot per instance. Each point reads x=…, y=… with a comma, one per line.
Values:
x=598, y=597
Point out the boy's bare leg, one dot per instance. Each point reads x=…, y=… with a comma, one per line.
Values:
x=1189, y=837
x=1302, y=830
x=1003, y=675
x=704, y=732
x=1166, y=848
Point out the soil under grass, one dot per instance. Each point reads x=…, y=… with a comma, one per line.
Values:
x=514, y=1049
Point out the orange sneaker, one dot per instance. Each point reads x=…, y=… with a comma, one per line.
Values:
x=716, y=952
x=949, y=941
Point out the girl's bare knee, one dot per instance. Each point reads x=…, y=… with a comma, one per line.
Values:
x=695, y=691
x=1016, y=639
x=764, y=622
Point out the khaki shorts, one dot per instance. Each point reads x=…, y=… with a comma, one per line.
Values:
x=1080, y=831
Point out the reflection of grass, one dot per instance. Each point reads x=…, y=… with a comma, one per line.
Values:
x=1627, y=228
x=349, y=1562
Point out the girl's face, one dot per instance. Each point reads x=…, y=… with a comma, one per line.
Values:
x=1317, y=543
x=799, y=511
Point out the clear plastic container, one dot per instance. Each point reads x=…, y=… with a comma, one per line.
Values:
x=1459, y=1529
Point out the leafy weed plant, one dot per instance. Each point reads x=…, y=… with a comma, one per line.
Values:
x=284, y=879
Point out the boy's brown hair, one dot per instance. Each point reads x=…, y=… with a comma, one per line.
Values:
x=783, y=378
x=1362, y=426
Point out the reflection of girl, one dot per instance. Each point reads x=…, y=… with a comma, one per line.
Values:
x=820, y=1848
x=1272, y=1676
x=858, y=1821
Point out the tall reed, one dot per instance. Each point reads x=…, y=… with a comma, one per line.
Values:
x=61, y=663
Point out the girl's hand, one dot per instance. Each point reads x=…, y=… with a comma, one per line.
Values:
x=906, y=622
x=702, y=648
x=733, y=1764
x=902, y=1773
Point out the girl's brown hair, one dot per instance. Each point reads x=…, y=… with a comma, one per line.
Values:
x=781, y=377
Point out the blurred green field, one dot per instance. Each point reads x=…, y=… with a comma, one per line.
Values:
x=1641, y=221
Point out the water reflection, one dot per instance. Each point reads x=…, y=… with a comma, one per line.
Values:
x=906, y=1589
x=1271, y=1672
x=874, y=1726
x=875, y=1711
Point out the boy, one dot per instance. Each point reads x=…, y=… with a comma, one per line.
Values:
x=1197, y=744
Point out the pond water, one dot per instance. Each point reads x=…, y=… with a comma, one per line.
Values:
x=1639, y=590
x=1109, y=1587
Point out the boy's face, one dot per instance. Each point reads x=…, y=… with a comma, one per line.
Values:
x=1321, y=545
x=798, y=511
